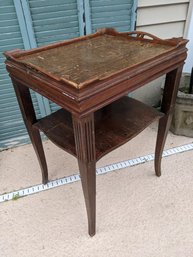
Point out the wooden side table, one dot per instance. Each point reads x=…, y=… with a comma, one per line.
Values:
x=89, y=77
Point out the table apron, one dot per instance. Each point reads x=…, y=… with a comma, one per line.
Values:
x=96, y=100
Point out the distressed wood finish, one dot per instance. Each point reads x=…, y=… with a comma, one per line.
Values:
x=115, y=124
x=94, y=93
x=71, y=64
x=90, y=85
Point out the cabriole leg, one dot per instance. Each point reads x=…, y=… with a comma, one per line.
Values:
x=29, y=117
x=167, y=107
x=85, y=149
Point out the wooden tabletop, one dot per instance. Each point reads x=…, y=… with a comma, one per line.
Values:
x=93, y=58
x=86, y=73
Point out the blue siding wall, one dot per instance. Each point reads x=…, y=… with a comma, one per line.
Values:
x=12, y=129
x=31, y=23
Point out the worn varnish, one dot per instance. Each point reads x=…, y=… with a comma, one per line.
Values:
x=93, y=58
x=115, y=124
x=89, y=78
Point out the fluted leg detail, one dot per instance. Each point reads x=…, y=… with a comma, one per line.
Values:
x=85, y=149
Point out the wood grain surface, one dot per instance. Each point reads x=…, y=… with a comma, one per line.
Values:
x=115, y=124
x=94, y=58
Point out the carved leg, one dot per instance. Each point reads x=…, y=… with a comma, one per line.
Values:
x=85, y=149
x=168, y=104
x=29, y=117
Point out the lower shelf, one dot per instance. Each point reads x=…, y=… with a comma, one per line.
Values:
x=115, y=124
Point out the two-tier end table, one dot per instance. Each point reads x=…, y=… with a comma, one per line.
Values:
x=90, y=78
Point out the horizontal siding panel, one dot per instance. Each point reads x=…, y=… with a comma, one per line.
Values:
x=161, y=14
x=61, y=33
x=54, y=14
x=111, y=8
x=11, y=110
x=164, y=31
x=10, y=35
x=100, y=3
x=57, y=20
x=6, y=131
x=9, y=119
x=3, y=77
x=8, y=94
x=8, y=135
x=6, y=128
x=122, y=14
x=12, y=124
x=6, y=42
x=5, y=88
x=52, y=8
x=7, y=9
x=7, y=22
x=9, y=47
x=43, y=3
x=9, y=29
x=122, y=28
x=10, y=101
x=147, y=3
x=6, y=2
x=114, y=24
x=4, y=81
x=4, y=16
x=108, y=18
x=57, y=26
x=115, y=13
x=52, y=39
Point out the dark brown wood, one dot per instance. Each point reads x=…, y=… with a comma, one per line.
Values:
x=88, y=77
x=90, y=95
x=168, y=103
x=72, y=63
x=85, y=151
x=115, y=124
x=29, y=117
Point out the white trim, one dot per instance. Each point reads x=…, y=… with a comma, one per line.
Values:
x=188, y=19
x=148, y=3
x=188, y=33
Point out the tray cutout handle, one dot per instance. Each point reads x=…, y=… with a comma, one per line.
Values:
x=141, y=34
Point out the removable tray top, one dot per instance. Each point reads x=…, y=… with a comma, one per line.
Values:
x=95, y=57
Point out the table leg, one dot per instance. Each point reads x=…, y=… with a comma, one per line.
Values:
x=29, y=117
x=167, y=107
x=85, y=149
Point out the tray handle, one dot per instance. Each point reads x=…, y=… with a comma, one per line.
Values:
x=140, y=34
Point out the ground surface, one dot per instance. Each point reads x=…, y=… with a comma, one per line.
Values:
x=138, y=214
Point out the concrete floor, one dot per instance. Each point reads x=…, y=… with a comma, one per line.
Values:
x=138, y=214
